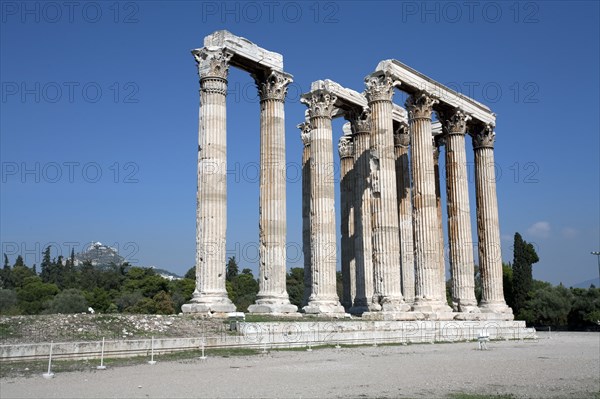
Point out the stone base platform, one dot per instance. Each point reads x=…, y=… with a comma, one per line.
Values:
x=273, y=309
x=351, y=332
x=435, y=316
x=325, y=308
x=210, y=306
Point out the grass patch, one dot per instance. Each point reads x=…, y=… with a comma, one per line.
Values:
x=480, y=396
x=38, y=367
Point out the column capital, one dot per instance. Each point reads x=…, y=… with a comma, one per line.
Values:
x=360, y=120
x=420, y=105
x=272, y=85
x=484, y=136
x=212, y=62
x=320, y=103
x=346, y=147
x=305, y=129
x=454, y=121
x=402, y=136
x=380, y=87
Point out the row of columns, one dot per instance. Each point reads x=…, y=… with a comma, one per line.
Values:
x=210, y=295
x=392, y=237
x=386, y=250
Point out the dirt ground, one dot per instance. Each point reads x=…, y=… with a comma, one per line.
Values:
x=566, y=365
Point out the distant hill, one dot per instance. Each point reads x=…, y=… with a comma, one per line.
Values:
x=99, y=255
x=587, y=283
x=166, y=274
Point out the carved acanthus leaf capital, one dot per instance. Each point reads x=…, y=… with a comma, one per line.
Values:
x=420, y=105
x=484, y=136
x=273, y=86
x=402, y=136
x=360, y=120
x=380, y=87
x=454, y=122
x=346, y=146
x=320, y=103
x=212, y=62
x=305, y=129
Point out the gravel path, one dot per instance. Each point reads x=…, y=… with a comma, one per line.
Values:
x=567, y=365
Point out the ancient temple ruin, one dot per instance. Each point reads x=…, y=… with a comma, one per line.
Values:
x=392, y=240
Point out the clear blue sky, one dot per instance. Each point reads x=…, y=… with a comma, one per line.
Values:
x=99, y=115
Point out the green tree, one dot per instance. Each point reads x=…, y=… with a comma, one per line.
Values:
x=232, y=269
x=5, y=275
x=548, y=305
x=8, y=302
x=19, y=261
x=243, y=289
x=507, y=283
x=19, y=273
x=34, y=295
x=163, y=303
x=524, y=257
x=181, y=291
x=68, y=301
x=339, y=284
x=295, y=286
x=585, y=311
x=46, y=265
x=191, y=273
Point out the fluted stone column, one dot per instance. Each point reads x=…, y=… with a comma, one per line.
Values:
x=272, y=296
x=386, y=236
x=488, y=228
x=305, y=129
x=346, y=151
x=210, y=295
x=360, y=122
x=323, y=298
x=403, y=185
x=459, y=213
x=438, y=141
x=425, y=220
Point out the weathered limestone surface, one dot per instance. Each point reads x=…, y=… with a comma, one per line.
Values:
x=459, y=212
x=488, y=228
x=426, y=229
x=360, y=121
x=403, y=185
x=210, y=295
x=305, y=129
x=414, y=82
x=323, y=298
x=272, y=296
x=346, y=151
x=245, y=54
x=386, y=238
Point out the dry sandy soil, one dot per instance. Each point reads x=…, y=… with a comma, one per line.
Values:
x=565, y=365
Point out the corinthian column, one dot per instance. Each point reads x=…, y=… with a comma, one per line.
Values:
x=407, y=259
x=459, y=213
x=360, y=123
x=438, y=141
x=323, y=298
x=386, y=238
x=346, y=150
x=305, y=129
x=428, y=296
x=488, y=228
x=210, y=295
x=272, y=296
